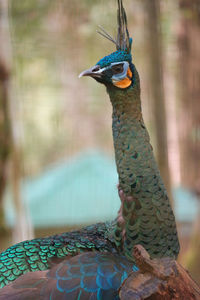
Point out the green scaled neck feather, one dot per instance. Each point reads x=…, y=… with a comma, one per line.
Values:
x=149, y=219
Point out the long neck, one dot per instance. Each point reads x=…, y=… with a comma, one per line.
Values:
x=149, y=219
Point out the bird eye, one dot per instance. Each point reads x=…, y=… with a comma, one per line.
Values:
x=96, y=69
x=118, y=69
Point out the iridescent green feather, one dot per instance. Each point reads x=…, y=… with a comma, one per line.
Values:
x=39, y=254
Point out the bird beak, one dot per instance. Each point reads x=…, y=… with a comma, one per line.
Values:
x=94, y=72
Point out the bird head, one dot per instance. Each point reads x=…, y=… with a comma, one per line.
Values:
x=115, y=69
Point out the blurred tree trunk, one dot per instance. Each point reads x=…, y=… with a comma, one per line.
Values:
x=154, y=65
x=5, y=132
x=189, y=91
x=189, y=111
x=9, y=137
x=5, y=142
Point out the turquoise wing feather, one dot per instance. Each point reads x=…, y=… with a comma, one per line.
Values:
x=90, y=275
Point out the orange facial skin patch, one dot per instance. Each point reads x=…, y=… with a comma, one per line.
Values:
x=126, y=82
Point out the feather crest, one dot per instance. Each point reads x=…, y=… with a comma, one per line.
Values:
x=123, y=41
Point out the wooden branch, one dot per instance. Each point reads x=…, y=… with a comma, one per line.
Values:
x=158, y=279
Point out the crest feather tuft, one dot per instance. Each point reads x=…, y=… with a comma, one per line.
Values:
x=123, y=41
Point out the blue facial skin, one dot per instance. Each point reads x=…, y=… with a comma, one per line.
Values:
x=116, y=56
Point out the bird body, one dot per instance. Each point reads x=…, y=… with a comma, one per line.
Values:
x=145, y=216
x=148, y=216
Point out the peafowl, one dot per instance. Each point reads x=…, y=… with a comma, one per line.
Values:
x=93, y=262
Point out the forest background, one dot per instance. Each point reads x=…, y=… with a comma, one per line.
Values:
x=48, y=115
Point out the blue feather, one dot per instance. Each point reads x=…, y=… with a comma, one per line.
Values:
x=90, y=275
x=117, y=56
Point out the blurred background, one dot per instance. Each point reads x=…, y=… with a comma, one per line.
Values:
x=57, y=169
